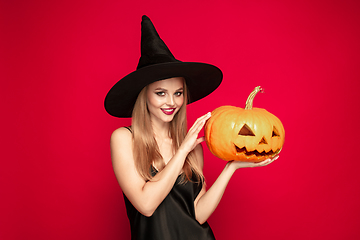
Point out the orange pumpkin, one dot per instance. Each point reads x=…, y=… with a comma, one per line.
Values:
x=249, y=135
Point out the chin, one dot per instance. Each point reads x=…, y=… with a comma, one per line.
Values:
x=163, y=117
x=168, y=118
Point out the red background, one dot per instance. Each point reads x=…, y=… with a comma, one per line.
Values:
x=59, y=59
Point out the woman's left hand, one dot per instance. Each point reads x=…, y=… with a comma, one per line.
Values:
x=239, y=164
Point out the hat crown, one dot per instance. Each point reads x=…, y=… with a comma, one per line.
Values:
x=157, y=63
x=153, y=48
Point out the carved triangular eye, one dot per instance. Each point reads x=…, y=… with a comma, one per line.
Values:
x=246, y=131
x=275, y=132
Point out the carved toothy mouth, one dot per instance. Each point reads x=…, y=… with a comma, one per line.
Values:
x=255, y=152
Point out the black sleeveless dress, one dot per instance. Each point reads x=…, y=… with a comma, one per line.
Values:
x=174, y=219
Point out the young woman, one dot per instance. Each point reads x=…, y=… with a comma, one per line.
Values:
x=157, y=162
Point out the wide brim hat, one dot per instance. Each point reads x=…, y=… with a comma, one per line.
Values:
x=157, y=63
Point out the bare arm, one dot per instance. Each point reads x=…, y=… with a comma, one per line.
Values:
x=207, y=201
x=146, y=196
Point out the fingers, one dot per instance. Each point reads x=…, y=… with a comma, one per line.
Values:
x=202, y=120
x=191, y=139
x=266, y=161
x=200, y=140
x=240, y=164
x=199, y=123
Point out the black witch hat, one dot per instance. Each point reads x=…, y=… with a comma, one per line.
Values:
x=158, y=63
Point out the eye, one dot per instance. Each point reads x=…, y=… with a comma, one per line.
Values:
x=178, y=94
x=160, y=93
x=246, y=131
x=275, y=132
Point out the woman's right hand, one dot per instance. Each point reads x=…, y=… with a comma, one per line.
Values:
x=191, y=139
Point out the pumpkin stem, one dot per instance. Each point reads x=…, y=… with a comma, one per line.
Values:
x=250, y=99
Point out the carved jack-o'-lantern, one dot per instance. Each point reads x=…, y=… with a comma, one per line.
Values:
x=249, y=135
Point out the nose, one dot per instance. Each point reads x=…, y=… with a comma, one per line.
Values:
x=263, y=141
x=170, y=100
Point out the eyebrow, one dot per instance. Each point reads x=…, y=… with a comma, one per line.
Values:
x=165, y=90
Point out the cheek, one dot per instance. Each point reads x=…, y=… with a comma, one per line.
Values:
x=150, y=106
x=180, y=101
x=153, y=102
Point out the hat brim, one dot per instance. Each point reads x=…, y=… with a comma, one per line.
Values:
x=201, y=79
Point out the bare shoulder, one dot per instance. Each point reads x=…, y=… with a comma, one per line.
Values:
x=123, y=163
x=121, y=143
x=121, y=136
x=121, y=133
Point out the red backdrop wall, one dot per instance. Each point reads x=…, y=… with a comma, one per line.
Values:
x=59, y=59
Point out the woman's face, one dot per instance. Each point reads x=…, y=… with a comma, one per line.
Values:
x=164, y=98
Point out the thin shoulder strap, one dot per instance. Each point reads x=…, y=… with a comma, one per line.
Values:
x=128, y=128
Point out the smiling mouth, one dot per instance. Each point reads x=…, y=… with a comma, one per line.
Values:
x=168, y=111
x=255, y=152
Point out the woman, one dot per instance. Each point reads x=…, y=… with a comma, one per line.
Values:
x=158, y=164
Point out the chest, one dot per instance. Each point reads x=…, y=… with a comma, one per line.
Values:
x=166, y=150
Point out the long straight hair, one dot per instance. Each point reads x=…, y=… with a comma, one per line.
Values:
x=145, y=149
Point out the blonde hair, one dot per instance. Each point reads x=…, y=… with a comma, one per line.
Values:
x=145, y=149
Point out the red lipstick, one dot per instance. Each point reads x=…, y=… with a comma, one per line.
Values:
x=168, y=111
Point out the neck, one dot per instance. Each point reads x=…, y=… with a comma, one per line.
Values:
x=161, y=130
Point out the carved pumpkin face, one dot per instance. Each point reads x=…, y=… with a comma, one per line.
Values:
x=250, y=134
